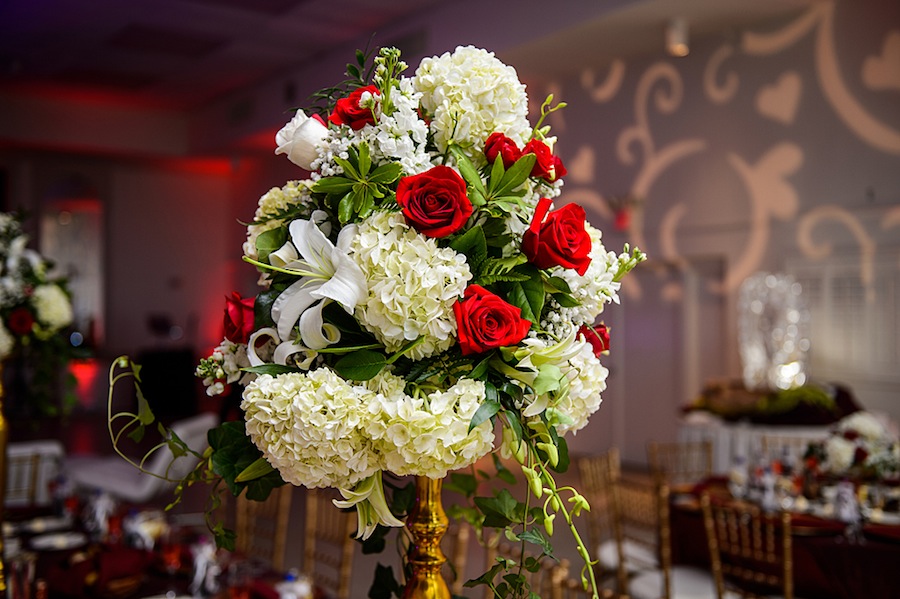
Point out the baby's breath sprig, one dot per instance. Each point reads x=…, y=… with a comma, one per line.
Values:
x=628, y=259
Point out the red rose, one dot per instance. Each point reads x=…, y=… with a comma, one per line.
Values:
x=20, y=322
x=347, y=111
x=434, y=202
x=597, y=336
x=484, y=321
x=561, y=240
x=238, y=319
x=498, y=144
x=547, y=166
x=860, y=455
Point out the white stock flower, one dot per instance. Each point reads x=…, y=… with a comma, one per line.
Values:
x=412, y=285
x=470, y=94
x=310, y=425
x=7, y=341
x=593, y=289
x=427, y=436
x=300, y=139
x=399, y=137
x=52, y=306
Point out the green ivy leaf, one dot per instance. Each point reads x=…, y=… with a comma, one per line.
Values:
x=464, y=484
x=484, y=412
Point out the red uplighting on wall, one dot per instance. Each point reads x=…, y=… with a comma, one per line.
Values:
x=85, y=372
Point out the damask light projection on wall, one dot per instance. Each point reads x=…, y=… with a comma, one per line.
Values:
x=792, y=69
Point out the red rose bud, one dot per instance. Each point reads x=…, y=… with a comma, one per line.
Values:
x=498, y=144
x=860, y=455
x=484, y=321
x=434, y=202
x=597, y=336
x=238, y=319
x=546, y=166
x=21, y=321
x=561, y=240
x=851, y=435
x=347, y=111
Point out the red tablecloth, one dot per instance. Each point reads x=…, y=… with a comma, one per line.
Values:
x=826, y=564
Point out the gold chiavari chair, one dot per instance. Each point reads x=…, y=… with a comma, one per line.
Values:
x=668, y=581
x=680, y=465
x=261, y=526
x=601, y=482
x=455, y=546
x=328, y=542
x=750, y=551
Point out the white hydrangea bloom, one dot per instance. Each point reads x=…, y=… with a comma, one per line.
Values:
x=399, y=137
x=428, y=436
x=412, y=285
x=865, y=424
x=593, y=289
x=586, y=380
x=52, y=306
x=272, y=202
x=469, y=95
x=839, y=454
x=6, y=341
x=310, y=427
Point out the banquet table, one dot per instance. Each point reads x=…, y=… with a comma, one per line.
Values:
x=827, y=564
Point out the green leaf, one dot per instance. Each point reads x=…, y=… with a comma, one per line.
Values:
x=473, y=245
x=360, y=365
x=503, y=473
x=385, y=585
x=345, y=207
x=536, y=537
x=386, y=173
x=232, y=453
x=350, y=171
x=365, y=160
x=565, y=300
x=336, y=185
x=270, y=241
x=257, y=469
x=497, y=172
x=468, y=171
x=464, y=484
x=375, y=543
x=516, y=175
x=262, y=308
x=484, y=412
x=501, y=510
x=273, y=369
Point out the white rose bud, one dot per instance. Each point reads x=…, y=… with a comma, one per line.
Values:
x=300, y=138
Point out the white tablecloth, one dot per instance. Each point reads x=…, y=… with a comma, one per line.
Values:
x=731, y=439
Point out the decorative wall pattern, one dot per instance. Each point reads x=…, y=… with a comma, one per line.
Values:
x=780, y=145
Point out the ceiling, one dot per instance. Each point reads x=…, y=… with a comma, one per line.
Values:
x=184, y=54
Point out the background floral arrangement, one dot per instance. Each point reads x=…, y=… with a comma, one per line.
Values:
x=860, y=446
x=34, y=312
x=419, y=293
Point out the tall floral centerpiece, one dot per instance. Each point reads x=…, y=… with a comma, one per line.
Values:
x=422, y=293
x=35, y=309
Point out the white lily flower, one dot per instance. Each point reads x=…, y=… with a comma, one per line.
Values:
x=371, y=506
x=326, y=273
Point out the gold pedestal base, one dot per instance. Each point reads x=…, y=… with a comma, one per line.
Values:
x=427, y=522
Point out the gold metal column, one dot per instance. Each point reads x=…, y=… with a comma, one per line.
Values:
x=4, y=437
x=427, y=522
